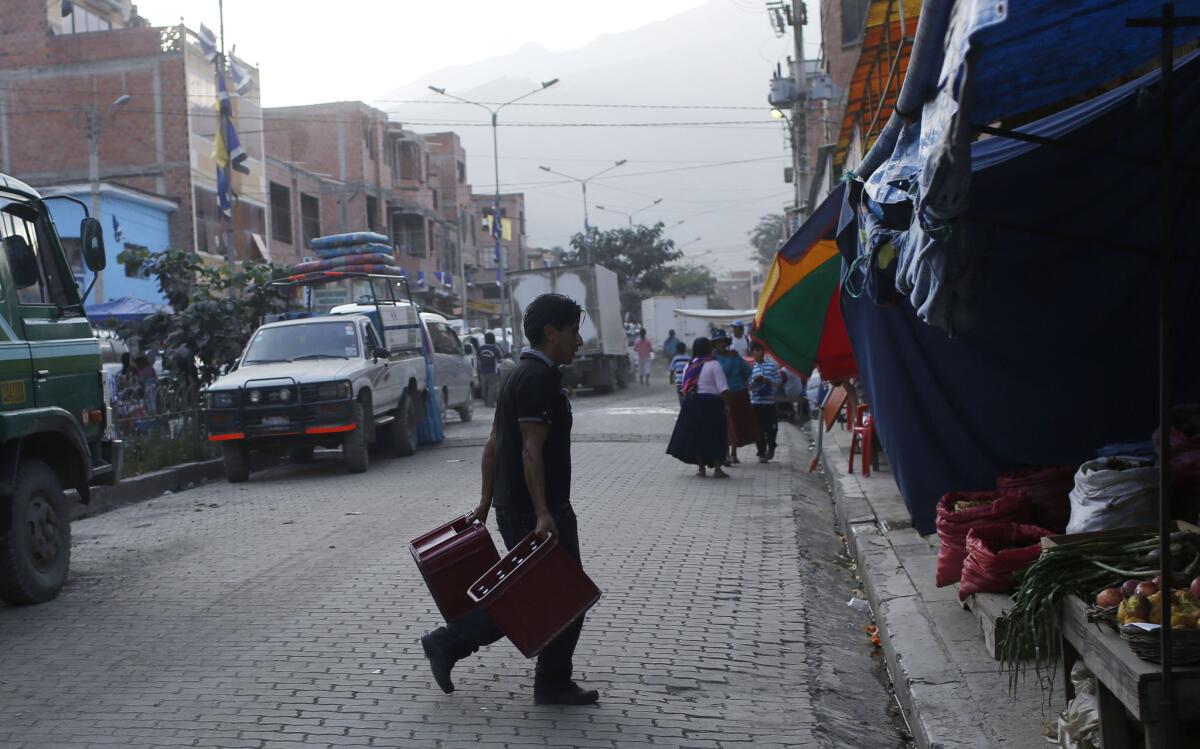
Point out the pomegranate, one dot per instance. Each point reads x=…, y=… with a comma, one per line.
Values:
x=1108, y=597
x=1196, y=589
x=1146, y=589
x=1129, y=587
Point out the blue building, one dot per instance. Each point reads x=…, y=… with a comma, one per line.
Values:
x=141, y=220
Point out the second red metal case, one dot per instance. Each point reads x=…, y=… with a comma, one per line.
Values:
x=535, y=593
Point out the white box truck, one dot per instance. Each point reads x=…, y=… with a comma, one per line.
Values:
x=602, y=363
x=659, y=318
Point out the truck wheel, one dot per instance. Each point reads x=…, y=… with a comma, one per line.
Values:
x=466, y=412
x=35, y=552
x=236, y=458
x=403, y=437
x=301, y=454
x=354, y=445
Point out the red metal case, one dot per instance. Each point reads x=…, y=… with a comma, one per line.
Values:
x=534, y=593
x=452, y=557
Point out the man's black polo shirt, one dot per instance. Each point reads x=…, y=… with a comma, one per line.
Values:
x=533, y=392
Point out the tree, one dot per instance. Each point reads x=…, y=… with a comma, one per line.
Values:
x=767, y=237
x=692, y=279
x=215, y=309
x=640, y=256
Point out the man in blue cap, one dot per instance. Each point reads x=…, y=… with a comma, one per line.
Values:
x=740, y=342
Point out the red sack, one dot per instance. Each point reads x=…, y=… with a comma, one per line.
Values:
x=995, y=553
x=952, y=527
x=1048, y=489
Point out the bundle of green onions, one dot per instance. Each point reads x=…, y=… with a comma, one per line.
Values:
x=1080, y=568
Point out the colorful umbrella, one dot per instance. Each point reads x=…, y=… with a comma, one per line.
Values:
x=799, y=316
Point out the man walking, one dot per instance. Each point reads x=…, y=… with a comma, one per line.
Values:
x=527, y=474
x=740, y=342
x=645, y=350
x=489, y=356
x=669, y=345
x=765, y=381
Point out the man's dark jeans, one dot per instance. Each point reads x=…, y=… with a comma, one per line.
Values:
x=475, y=630
x=768, y=428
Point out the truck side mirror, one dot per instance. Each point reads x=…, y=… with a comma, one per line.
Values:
x=381, y=352
x=91, y=240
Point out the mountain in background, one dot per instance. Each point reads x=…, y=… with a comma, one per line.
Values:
x=717, y=55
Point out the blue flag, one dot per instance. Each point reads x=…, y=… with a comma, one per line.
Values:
x=208, y=43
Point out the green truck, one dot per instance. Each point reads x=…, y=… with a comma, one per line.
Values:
x=55, y=424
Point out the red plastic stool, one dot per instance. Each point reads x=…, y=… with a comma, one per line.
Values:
x=863, y=432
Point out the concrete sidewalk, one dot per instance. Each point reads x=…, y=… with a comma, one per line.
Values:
x=951, y=689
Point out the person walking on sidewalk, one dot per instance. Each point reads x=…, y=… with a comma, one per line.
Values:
x=678, y=367
x=743, y=429
x=701, y=431
x=489, y=355
x=526, y=472
x=645, y=350
x=670, y=344
x=765, y=381
x=740, y=341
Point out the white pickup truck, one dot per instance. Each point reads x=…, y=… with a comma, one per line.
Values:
x=347, y=378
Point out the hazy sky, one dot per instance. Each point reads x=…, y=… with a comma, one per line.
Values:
x=391, y=42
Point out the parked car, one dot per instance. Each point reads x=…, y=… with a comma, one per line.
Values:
x=452, y=371
x=324, y=381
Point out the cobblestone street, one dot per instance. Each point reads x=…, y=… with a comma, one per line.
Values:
x=285, y=612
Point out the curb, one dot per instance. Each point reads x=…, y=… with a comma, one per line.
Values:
x=926, y=680
x=148, y=486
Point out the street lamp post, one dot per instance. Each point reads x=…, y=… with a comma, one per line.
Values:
x=96, y=122
x=634, y=213
x=583, y=181
x=496, y=223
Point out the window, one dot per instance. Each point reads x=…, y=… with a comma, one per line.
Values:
x=140, y=272
x=369, y=138
x=80, y=20
x=372, y=213
x=436, y=202
x=310, y=217
x=462, y=173
x=281, y=213
x=370, y=341
x=854, y=19
x=30, y=255
x=445, y=341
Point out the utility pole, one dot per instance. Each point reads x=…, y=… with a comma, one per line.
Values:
x=800, y=110
x=462, y=267
x=587, y=234
x=230, y=250
x=96, y=123
x=497, y=223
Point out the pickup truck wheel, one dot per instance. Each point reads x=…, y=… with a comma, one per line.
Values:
x=466, y=411
x=35, y=552
x=354, y=444
x=236, y=458
x=302, y=454
x=403, y=436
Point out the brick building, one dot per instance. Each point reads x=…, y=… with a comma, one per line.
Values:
x=58, y=73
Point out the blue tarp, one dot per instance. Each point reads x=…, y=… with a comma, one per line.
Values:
x=123, y=309
x=974, y=63
x=1061, y=356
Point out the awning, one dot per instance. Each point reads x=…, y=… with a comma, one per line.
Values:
x=123, y=309
x=976, y=62
x=799, y=318
x=718, y=316
x=1059, y=358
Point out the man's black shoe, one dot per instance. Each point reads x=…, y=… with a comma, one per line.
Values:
x=440, y=660
x=568, y=694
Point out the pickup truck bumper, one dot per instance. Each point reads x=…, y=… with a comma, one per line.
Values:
x=293, y=423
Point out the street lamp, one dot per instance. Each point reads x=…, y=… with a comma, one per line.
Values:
x=634, y=213
x=96, y=122
x=587, y=235
x=496, y=224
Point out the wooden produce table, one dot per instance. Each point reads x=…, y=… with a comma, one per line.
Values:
x=1127, y=685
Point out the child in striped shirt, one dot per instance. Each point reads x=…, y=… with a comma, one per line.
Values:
x=678, y=366
x=765, y=381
